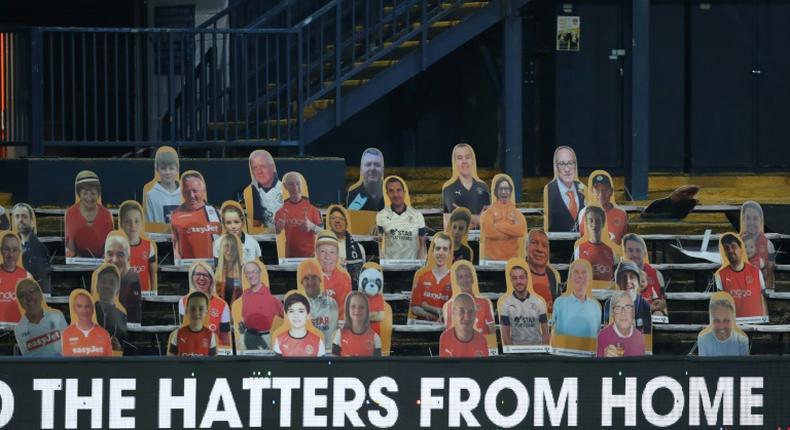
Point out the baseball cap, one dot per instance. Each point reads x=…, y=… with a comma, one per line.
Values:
x=601, y=179
x=627, y=266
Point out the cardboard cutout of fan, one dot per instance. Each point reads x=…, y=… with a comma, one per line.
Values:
x=576, y=319
x=366, y=196
x=35, y=255
x=523, y=314
x=722, y=337
x=563, y=196
x=87, y=222
x=162, y=194
x=195, y=224
x=297, y=336
x=11, y=272
x=461, y=340
x=676, y=206
x=143, y=258
x=297, y=222
x=234, y=222
x=256, y=313
x=544, y=279
x=194, y=338
x=371, y=282
x=337, y=281
x=431, y=286
x=38, y=333
x=597, y=248
x=201, y=278
x=109, y=312
x=228, y=272
x=117, y=252
x=503, y=228
x=264, y=196
x=356, y=337
x=351, y=255
x=458, y=228
x=620, y=337
x=652, y=281
x=464, y=280
x=401, y=228
x=600, y=192
x=324, y=310
x=759, y=249
x=464, y=189
x=742, y=280
x=84, y=337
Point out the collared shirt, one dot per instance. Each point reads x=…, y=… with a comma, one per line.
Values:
x=258, y=309
x=572, y=317
x=710, y=346
x=564, y=192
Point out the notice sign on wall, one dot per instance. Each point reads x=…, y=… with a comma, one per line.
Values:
x=568, y=33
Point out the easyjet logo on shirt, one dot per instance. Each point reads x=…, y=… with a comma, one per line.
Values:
x=93, y=349
x=203, y=229
x=43, y=340
x=438, y=296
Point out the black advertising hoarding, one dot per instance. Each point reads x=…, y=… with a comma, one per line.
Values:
x=502, y=392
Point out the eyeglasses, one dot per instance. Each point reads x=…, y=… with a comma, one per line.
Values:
x=201, y=275
x=626, y=308
x=566, y=164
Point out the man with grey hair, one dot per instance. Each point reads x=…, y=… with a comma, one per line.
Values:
x=367, y=195
x=720, y=339
x=267, y=194
x=564, y=195
x=116, y=252
x=35, y=256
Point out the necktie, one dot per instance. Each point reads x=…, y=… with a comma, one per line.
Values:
x=574, y=210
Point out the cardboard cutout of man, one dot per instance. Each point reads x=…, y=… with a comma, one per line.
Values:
x=601, y=193
x=458, y=229
x=297, y=222
x=464, y=280
x=431, y=287
x=87, y=222
x=264, y=196
x=323, y=309
x=563, y=197
x=635, y=250
x=297, y=337
x=576, y=319
x=117, y=252
x=35, y=256
x=596, y=248
x=523, y=314
x=84, y=337
x=759, y=249
x=233, y=222
x=366, y=194
x=351, y=254
x=256, y=313
x=38, y=333
x=194, y=338
x=337, y=282
x=743, y=281
x=110, y=313
x=628, y=281
x=163, y=192
x=356, y=338
x=461, y=339
x=201, y=278
x=195, y=224
x=143, y=252
x=545, y=279
x=464, y=189
x=621, y=338
x=11, y=272
x=722, y=338
x=371, y=282
x=502, y=227
x=401, y=228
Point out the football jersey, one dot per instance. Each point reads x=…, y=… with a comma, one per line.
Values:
x=483, y=316
x=541, y=285
x=653, y=289
x=474, y=199
x=88, y=239
x=42, y=339
x=616, y=223
x=311, y=345
x=188, y=343
x=299, y=243
x=349, y=344
x=96, y=343
x=745, y=287
x=431, y=291
x=337, y=287
x=195, y=231
x=524, y=318
x=401, y=233
x=9, y=310
x=601, y=258
x=376, y=304
x=218, y=312
x=323, y=313
x=140, y=258
x=451, y=346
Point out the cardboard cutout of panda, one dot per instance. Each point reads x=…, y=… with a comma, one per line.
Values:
x=371, y=282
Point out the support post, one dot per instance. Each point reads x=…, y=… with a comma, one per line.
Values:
x=637, y=162
x=512, y=127
x=36, y=118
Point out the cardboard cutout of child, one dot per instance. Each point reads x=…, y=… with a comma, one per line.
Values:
x=742, y=280
x=356, y=338
x=759, y=249
x=143, y=251
x=194, y=338
x=297, y=222
x=163, y=192
x=597, y=248
x=297, y=337
x=431, y=287
x=600, y=192
x=228, y=273
x=401, y=228
x=264, y=196
x=722, y=337
x=464, y=189
x=576, y=319
x=464, y=280
x=201, y=278
x=256, y=313
x=234, y=222
x=84, y=337
x=503, y=228
x=458, y=228
x=635, y=250
x=86, y=222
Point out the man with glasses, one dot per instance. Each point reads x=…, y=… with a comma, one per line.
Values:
x=628, y=281
x=563, y=197
x=620, y=338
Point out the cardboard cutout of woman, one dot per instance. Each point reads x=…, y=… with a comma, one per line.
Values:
x=35, y=256
x=544, y=278
x=297, y=222
x=523, y=314
x=600, y=192
x=39, y=329
x=110, y=313
x=458, y=228
x=257, y=312
x=563, y=197
x=597, y=248
x=635, y=250
x=742, y=280
x=371, y=282
x=759, y=249
x=337, y=281
x=722, y=337
x=401, y=228
x=356, y=338
x=461, y=339
x=233, y=222
x=297, y=337
x=351, y=253
x=324, y=310
x=117, y=252
x=464, y=280
x=228, y=274
x=464, y=189
x=264, y=196
x=502, y=227
x=84, y=337
x=576, y=319
x=143, y=252
x=431, y=287
x=86, y=222
x=620, y=338
x=194, y=338
x=201, y=278
x=11, y=272
x=195, y=224
x=163, y=192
